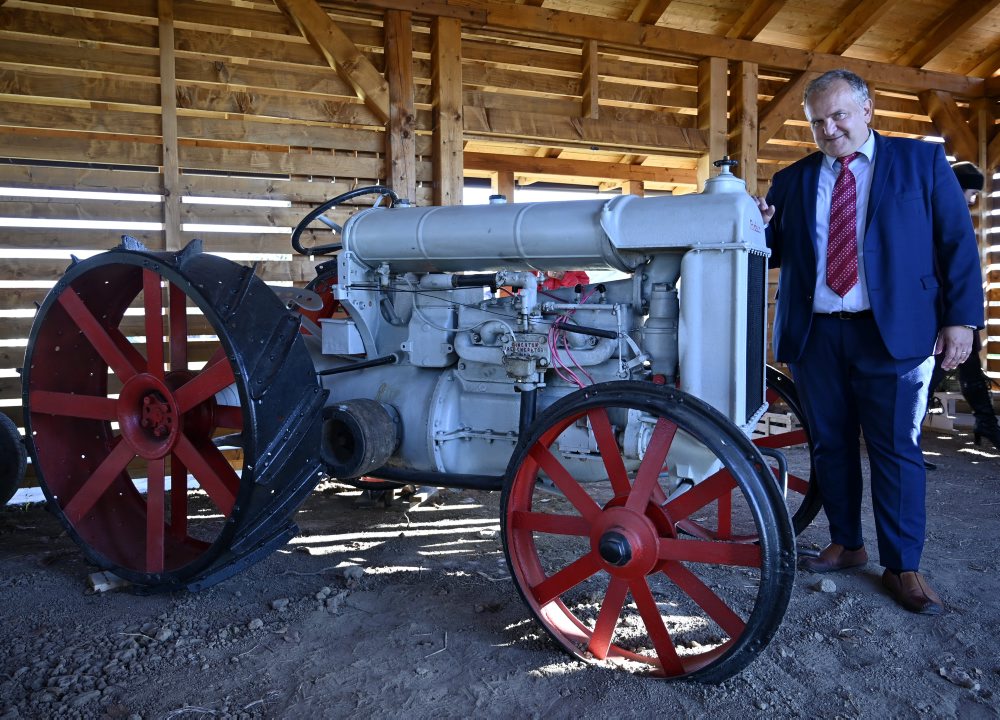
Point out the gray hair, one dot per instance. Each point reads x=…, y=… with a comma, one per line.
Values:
x=821, y=84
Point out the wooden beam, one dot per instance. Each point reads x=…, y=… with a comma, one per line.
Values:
x=589, y=81
x=671, y=42
x=581, y=132
x=532, y=165
x=446, y=83
x=861, y=18
x=648, y=12
x=168, y=130
x=953, y=23
x=743, y=140
x=948, y=120
x=400, y=146
x=784, y=105
x=755, y=18
x=712, y=113
x=993, y=154
x=341, y=54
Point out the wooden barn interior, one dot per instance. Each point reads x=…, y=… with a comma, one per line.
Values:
x=228, y=120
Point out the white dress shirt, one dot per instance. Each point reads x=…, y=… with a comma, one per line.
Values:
x=826, y=300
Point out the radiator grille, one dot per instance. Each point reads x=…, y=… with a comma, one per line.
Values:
x=756, y=317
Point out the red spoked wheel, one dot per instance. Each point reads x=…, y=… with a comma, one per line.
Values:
x=591, y=507
x=137, y=363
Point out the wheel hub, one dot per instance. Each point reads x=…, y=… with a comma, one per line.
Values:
x=148, y=416
x=628, y=542
x=614, y=549
x=157, y=415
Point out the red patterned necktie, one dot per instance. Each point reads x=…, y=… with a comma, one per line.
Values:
x=842, y=245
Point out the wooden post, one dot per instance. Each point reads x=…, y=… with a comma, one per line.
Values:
x=502, y=183
x=743, y=140
x=446, y=86
x=590, y=81
x=711, y=114
x=634, y=187
x=168, y=129
x=400, y=143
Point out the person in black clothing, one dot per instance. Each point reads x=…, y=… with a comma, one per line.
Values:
x=974, y=383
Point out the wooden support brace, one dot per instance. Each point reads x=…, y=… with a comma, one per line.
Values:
x=446, y=88
x=948, y=120
x=502, y=183
x=712, y=91
x=785, y=104
x=743, y=140
x=401, y=157
x=590, y=81
x=168, y=115
x=342, y=54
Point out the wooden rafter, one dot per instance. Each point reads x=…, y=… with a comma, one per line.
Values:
x=784, y=105
x=953, y=23
x=674, y=42
x=755, y=18
x=648, y=12
x=859, y=21
x=947, y=118
x=985, y=65
x=342, y=54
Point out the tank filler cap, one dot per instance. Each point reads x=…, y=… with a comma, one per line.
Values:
x=725, y=181
x=498, y=199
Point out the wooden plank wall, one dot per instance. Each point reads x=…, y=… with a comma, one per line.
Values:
x=238, y=105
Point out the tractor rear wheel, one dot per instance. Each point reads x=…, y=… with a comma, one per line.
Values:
x=141, y=368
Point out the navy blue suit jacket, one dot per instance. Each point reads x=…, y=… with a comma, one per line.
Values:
x=920, y=255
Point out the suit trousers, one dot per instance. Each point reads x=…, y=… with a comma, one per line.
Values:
x=850, y=385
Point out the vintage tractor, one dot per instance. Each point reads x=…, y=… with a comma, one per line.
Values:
x=641, y=524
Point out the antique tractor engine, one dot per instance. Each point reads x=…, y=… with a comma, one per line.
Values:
x=641, y=525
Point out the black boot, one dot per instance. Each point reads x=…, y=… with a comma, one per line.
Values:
x=977, y=394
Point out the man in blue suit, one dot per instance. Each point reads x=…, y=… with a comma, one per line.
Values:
x=879, y=271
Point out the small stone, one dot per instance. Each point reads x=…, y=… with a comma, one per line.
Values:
x=826, y=585
x=281, y=604
x=958, y=676
x=164, y=634
x=354, y=572
x=256, y=624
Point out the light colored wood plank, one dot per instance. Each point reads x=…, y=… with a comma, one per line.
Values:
x=401, y=143
x=52, y=83
x=712, y=119
x=859, y=20
x=109, y=210
x=953, y=23
x=448, y=111
x=329, y=40
x=49, y=145
x=322, y=164
x=74, y=239
x=48, y=24
x=24, y=112
x=51, y=53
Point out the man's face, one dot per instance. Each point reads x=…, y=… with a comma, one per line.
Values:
x=839, y=124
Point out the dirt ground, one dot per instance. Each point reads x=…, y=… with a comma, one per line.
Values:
x=408, y=611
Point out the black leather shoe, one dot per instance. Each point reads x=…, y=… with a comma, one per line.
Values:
x=930, y=465
x=910, y=589
x=836, y=557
